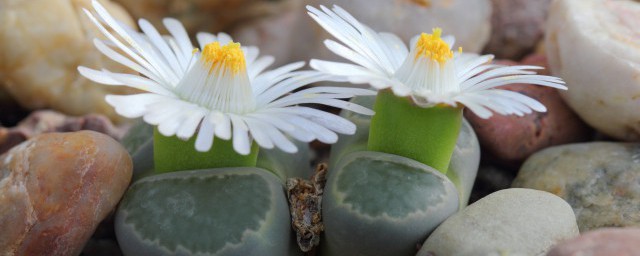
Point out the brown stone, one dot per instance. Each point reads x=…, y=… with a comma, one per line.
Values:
x=516, y=27
x=45, y=121
x=509, y=140
x=56, y=188
x=608, y=241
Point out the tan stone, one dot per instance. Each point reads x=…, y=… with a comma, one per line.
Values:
x=42, y=42
x=56, y=188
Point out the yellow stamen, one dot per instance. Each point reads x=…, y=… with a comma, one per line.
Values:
x=433, y=47
x=228, y=57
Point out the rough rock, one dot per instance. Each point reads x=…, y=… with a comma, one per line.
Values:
x=45, y=121
x=510, y=221
x=42, y=42
x=509, y=140
x=607, y=241
x=594, y=46
x=56, y=188
x=600, y=180
x=516, y=27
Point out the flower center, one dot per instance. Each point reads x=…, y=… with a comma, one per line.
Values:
x=430, y=74
x=229, y=57
x=433, y=47
x=219, y=80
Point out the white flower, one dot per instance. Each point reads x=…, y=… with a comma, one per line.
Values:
x=430, y=73
x=220, y=91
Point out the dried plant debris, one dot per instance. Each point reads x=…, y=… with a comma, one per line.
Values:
x=305, y=198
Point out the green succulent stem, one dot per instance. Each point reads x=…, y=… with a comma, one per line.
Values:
x=427, y=135
x=172, y=154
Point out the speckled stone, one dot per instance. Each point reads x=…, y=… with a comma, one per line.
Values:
x=56, y=188
x=509, y=140
x=510, y=221
x=600, y=180
x=606, y=241
x=42, y=43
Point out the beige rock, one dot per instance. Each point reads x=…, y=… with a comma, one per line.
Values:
x=42, y=42
x=56, y=188
x=594, y=46
x=205, y=15
x=600, y=180
x=506, y=222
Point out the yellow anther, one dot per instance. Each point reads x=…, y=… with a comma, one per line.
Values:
x=229, y=57
x=433, y=47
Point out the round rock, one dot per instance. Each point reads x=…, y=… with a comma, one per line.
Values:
x=43, y=43
x=601, y=181
x=509, y=140
x=607, y=241
x=594, y=46
x=56, y=188
x=510, y=221
x=516, y=27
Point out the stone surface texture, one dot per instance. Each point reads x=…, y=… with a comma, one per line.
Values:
x=510, y=221
x=516, y=27
x=595, y=47
x=607, y=241
x=600, y=180
x=56, y=188
x=42, y=42
x=509, y=140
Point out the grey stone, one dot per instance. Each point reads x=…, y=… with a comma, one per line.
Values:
x=510, y=221
x=600, y=180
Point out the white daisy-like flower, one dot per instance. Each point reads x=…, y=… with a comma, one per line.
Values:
x=218, y=91
x=430, y=73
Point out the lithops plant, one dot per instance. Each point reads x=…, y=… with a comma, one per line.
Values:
x=372, y=195
x=213, y=107
x=464, y=160
x=401, y=180
x=222, y=211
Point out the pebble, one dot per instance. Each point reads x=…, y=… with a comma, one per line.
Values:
x=56, y=188
x=43, y=43
x=45, y=121
x=600, y=180
x=606, y=241
x=507, y=222
x=509, y=140
x=516, y=27
x=594, y=47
